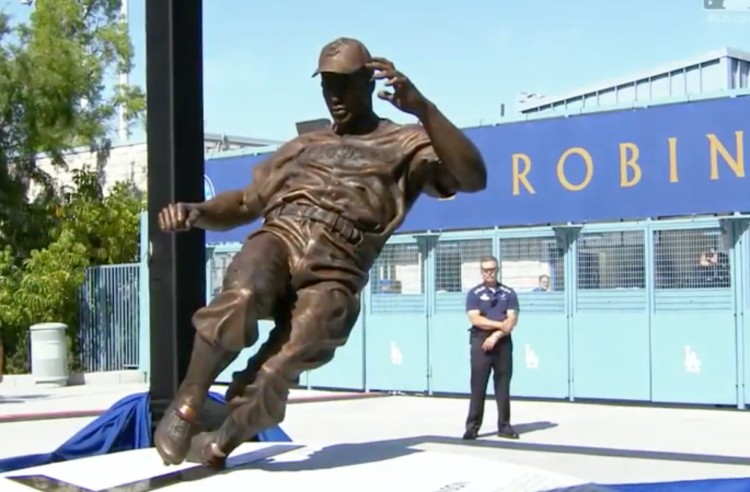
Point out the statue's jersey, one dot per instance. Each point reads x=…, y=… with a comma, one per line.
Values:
x=371, y=180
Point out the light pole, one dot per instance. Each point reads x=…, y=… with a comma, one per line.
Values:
x=123, y=132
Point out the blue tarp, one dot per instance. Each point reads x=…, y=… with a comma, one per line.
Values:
x=125, y=426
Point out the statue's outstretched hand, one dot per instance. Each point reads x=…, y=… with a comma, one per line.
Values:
x=178, y=217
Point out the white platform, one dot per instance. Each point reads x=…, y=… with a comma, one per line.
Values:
x=281, y=467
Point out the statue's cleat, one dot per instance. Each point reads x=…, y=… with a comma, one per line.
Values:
x=240, y=381
x=173, y=434
x=234, y=390
x=205, y=451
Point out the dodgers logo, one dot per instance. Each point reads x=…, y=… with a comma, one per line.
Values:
x=208, y=188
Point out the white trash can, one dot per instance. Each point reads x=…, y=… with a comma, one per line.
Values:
x=49, y=354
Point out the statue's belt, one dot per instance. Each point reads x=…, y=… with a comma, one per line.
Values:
x=333, y=220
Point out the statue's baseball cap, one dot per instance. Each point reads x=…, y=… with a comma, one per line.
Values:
x=342, y=55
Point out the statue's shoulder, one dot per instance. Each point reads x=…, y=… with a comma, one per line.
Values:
x=406, y=136
x=401, y=128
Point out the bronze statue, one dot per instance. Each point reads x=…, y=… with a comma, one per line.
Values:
x=329, y=200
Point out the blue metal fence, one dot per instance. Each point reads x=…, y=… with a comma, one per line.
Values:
x=648, y=311
x=741, y=271
x=652, y=310
x=542, y=354
x=110, y=318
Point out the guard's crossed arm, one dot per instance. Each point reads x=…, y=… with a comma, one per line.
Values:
x=476, y=319
x=511, y=313
x=510, y=322
x=483, y=323
x=234, y=208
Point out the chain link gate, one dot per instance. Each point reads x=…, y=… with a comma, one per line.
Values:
x=396, y=318
x=693, y=323
x=610, y=317
x=456, y=271
x=534, y=267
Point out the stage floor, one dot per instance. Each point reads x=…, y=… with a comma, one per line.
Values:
x=280, y=467
x=594, y=443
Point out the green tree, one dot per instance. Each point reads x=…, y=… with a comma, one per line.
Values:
x=59, y=91
x=106, y=225
x=91, y=228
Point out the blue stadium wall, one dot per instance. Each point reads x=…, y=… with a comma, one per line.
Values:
x=638, y=218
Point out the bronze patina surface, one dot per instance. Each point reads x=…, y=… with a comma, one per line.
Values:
x=329, y=201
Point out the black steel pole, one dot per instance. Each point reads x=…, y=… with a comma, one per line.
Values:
x=177, y=272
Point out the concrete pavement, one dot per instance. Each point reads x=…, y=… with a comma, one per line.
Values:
x=602, y=443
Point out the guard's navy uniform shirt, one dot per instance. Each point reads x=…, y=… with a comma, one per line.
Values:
x=492, y=302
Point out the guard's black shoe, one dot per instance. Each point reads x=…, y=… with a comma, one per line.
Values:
x=507, y=432
x=470, y=435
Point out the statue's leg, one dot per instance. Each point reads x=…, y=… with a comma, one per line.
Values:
x=322, y=320
x=278, y=336
x=256, y=281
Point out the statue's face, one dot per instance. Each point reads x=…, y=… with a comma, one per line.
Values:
x=348, y=97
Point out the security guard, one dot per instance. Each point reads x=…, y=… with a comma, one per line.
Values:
x=493, y=312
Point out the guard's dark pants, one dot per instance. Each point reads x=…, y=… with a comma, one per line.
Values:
x=499, y=361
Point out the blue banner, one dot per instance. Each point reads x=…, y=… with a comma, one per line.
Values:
x=670, y=160
x=224, y=174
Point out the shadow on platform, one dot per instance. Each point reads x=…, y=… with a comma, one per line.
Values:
x=591, y=451
x=523, y=429
x=351, y=454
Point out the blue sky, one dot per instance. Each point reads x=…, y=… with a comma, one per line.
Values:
x=468, y=57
